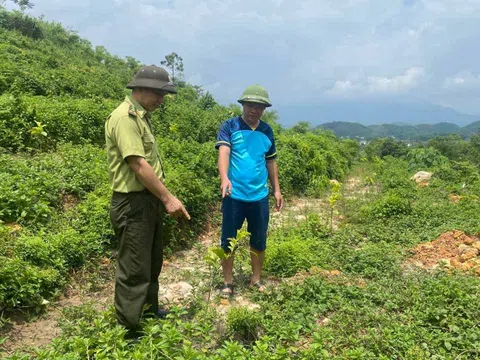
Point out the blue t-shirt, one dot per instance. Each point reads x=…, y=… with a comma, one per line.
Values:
x=249, y=151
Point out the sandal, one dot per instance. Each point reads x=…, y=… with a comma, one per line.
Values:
x=259, y=285
x=227, y=291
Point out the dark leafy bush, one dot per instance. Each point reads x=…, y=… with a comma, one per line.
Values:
x=24, y=24
x=74, y=248
x=77, y=121
x=385, y=147
x=183, y=119
x=91, y=218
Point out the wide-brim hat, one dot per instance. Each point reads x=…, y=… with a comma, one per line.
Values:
x=153, y=77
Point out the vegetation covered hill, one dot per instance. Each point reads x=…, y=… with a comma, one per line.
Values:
x=471, y=128
x=421, y=132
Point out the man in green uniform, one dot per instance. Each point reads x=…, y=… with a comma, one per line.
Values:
x=140, y=197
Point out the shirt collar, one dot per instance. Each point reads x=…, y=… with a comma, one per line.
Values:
x=138, y=108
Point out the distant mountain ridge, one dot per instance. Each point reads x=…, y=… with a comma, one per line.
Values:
x=372, y=113
x=401, y=132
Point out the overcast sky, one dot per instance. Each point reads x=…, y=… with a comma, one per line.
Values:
x=303, y=51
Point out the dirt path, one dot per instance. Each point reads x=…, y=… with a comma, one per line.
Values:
x=182, y=275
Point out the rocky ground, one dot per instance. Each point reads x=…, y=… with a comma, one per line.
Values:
x=451, y=250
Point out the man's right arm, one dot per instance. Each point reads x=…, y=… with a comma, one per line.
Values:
x=223, y=163
x=128, y=139
x=149, y=179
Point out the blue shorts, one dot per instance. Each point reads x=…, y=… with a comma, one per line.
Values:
x=234, y=213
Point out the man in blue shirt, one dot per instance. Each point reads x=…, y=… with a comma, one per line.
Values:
x=246, y=160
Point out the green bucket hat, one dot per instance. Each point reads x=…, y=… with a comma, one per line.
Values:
x=255, y=94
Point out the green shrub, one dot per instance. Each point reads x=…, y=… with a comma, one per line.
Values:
x=183, y=119
x=373, y=260
x=74, y=249
x=424, y=159
x=463, y=173
x=25, y=285
x=77, y=121
x=312, y=228
x=81, y=168
x=31, y=188
x=287, y=258
x=306, y=162
x=26, y=193
x=390, y=204
x=394, y=174
x=91, y=218
x=243, y=324
x=15, y=122
x=37, y=251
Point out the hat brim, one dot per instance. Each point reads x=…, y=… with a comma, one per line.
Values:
x=170, y=88
x=152, y=84
x=255, y=101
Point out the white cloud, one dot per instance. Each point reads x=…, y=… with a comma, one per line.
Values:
x=375, y=85
x=300, y=50
x=397, y=84
x=463, y=81
x=345, y=88
x=425, y=29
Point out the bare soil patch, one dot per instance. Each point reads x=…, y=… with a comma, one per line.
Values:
x=452, y=250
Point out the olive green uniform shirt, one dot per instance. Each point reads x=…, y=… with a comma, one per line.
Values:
x=128, y=132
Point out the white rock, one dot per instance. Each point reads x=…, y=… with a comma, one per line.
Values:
x=176, y=291
x=421, y=176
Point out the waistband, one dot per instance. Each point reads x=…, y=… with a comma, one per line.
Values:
x=141, y=192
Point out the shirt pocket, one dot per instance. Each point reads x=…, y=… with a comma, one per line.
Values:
x=149, y=146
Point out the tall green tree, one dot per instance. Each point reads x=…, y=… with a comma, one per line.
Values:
x=175, y=63
x=302, y=127
x=24, y=4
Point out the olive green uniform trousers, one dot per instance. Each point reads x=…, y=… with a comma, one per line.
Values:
x=137, y=220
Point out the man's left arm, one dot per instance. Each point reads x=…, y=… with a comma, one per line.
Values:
x=272, y=169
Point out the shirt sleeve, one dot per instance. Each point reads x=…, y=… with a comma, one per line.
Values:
x=224, y=137
x=272, y=152
x=128, y=138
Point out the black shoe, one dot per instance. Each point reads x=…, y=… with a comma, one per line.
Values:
x=162, y=313
x=133, y=335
